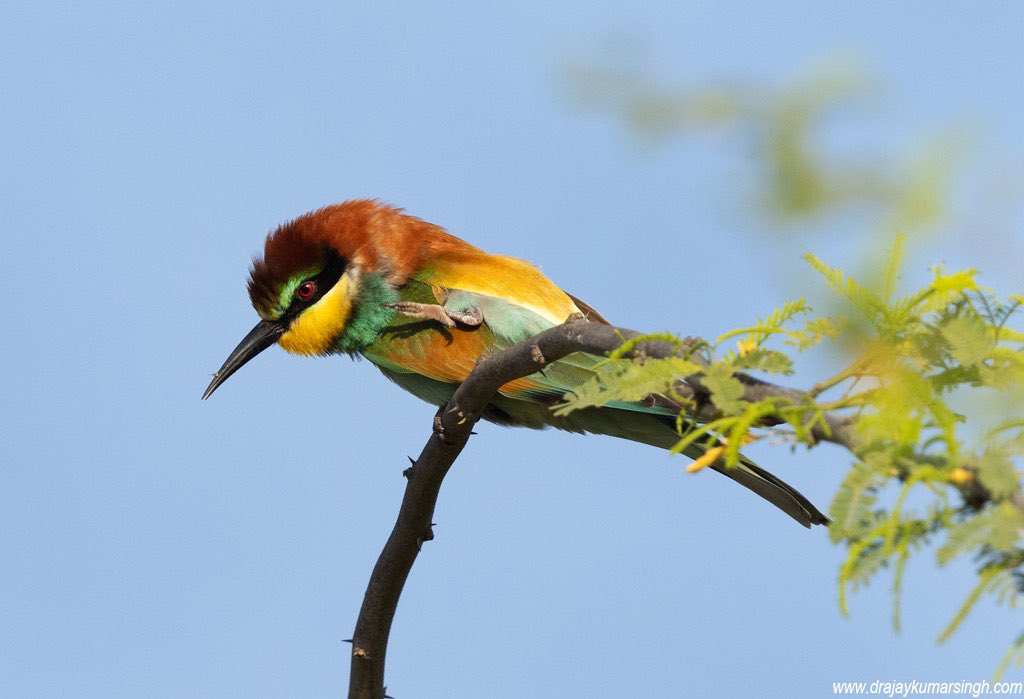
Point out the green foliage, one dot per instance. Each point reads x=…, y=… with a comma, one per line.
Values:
x=620, y=380
x=725, y=388
x=914, y=356
x=968, y=339
x=1014, y=656
x=853, y=506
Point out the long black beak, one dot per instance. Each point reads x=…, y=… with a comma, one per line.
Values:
x=259, y=338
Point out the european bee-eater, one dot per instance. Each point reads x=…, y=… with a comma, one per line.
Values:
x=362, y=278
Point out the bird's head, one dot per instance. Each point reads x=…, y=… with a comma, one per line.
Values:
x=324, y=280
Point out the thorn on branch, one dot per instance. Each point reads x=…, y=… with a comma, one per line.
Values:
x=347, y=640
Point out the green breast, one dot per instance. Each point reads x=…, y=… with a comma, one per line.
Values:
x=370, y=315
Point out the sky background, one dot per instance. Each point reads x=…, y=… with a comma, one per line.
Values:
x=157, y=546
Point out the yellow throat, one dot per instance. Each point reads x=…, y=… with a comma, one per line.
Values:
x=313, y=332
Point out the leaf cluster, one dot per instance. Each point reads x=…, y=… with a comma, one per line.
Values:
x=931, y=466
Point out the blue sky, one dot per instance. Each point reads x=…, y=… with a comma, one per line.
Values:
x=158, y=546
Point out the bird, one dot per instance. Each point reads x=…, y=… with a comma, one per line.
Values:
x=366, y=279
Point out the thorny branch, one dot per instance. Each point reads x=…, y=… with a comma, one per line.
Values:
x=453, y=426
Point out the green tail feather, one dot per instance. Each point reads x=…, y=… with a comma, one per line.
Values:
x=774, y=490
x=641, y=424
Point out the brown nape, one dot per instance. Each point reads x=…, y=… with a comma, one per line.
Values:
x=374, y=236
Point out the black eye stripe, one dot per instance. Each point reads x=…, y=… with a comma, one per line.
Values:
x=321, y=283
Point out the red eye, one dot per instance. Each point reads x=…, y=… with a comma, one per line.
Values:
x=306, y=290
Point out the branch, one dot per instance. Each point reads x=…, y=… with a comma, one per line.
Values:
x=453, y=426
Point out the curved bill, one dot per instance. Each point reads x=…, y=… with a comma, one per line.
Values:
x=259, y=338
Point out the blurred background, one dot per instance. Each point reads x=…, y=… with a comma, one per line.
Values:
x=669, y=163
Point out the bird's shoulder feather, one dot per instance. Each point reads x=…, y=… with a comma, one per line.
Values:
x=521, y=284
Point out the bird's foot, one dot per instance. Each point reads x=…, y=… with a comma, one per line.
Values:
x=471, y=317
x=431, y=311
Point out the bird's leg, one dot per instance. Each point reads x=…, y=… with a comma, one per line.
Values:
x=444, y=316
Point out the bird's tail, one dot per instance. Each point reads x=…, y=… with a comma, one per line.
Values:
x=774, y=490
x=754, y=478
x=639, y=425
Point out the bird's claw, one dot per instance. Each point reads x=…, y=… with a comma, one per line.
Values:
x=471, y=317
